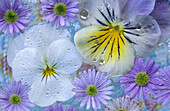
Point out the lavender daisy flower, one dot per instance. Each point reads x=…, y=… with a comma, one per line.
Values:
x=60, y=12
x=92, y=88
x=14, y=97
x=164, y=95
x=122, y=104
x=59, y=107
x=13, y=17
x=141, y=79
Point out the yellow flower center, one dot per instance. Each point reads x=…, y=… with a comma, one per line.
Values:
x=48, y=71
x=60, y=9
x=92, y=90
x=142, y=79
x=15, y=99
x=121, y=110
x=10, y=16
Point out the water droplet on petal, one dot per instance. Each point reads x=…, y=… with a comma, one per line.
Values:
x=84, y=14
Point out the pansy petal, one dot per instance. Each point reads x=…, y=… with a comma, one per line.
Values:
x=26, y=65
x=109, y=52
x=41, y=36
x=64, y=56
x=90, y=11
x=15, y=45
x=46, y=93
x=161, y=13
x=146, y=35
x=136, y=7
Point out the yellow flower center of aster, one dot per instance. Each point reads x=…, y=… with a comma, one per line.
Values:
x=92, y=90
x=15, y=99
x=10, y=16
x=142, y=79
x=60, y=9
x=48, y=71
x=121, y=110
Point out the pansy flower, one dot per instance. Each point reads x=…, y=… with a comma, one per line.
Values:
x=59, y=107
x=46, y=63
x=164, y=95
x=121, y=30
x=13, y=17
x=60, y=12
x=122, y=104
x=14, y=97
x=92, y=88
x=141, y=79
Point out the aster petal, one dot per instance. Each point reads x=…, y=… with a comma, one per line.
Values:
x=166, y=101
x=65, y=57
x=136, y=7
x=101, y=99
x=140, y=94
x=161, y=14
x=27, y=64
x=156, y=81
x=146, y=37
x=96, y=48
x=97, y=103
x=84, y=101
x=130, y=88
x=89, y=102
x=134, y=91
x=145, y=94
x=46, y=93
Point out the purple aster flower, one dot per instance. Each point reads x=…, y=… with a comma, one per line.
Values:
x=13, y=17
x=14, y=97
x=141, y=80
x=122, y=104
x=92, y=88
x=164, y=95
x=60, y=12
x=59, y=107
x=161, y=13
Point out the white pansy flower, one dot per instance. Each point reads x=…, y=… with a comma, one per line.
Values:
x=46, y=64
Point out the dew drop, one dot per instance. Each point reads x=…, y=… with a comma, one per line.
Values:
x=97, y=42
x=47, y=94
x=101, y=61
x=58, y=93
x=94, y=59
x=23, y=65
x=18, y=59
x=84, y=14
x=68, y=50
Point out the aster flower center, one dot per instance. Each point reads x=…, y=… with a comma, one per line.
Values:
x=142, y=78
x=92, y=90
x=60, y=9
x=15, y=99
x=48, y=71
x=121, y=110
x=10, y=16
